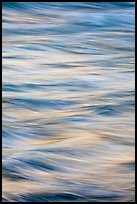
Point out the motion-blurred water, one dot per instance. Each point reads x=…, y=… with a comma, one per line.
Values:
x=68, y=101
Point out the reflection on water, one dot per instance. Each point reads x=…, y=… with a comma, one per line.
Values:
x=68, y=101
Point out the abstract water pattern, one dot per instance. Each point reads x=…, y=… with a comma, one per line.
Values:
x=68, y=102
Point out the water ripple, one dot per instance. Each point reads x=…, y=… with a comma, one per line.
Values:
x=68, y=102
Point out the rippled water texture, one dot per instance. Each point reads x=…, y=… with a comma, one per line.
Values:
x=68, y=101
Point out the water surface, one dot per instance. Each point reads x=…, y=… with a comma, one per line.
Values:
x=68, y=101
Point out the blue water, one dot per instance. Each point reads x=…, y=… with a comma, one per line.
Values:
x=68, y=102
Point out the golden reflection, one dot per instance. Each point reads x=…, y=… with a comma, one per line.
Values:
x=68, y=102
